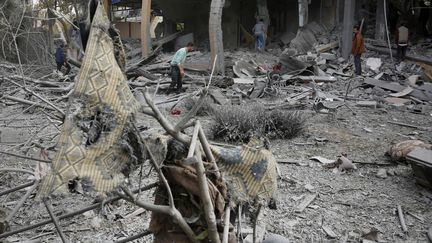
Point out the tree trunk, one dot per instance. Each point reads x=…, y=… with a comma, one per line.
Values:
x=216, y=35
x=303, y=12
x=348, y=25
x=145, y=28
x=380, y=29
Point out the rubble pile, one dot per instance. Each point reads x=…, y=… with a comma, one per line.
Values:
x=315, y=153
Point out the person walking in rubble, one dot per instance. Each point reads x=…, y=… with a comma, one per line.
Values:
x=259, y=31
x=177, y=68
x=61, y=59
x=357, y=49
x=402, y=41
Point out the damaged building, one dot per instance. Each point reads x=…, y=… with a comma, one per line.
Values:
x=216, y=121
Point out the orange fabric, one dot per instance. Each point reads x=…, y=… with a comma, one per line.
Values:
x=358, y=44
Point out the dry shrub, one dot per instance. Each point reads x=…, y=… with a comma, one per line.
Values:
x=284, y=124
x=240, y=123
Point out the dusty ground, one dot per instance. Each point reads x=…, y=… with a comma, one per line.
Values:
x=348, y=203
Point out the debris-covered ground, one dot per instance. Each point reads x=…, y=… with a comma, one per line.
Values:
x=357, y=117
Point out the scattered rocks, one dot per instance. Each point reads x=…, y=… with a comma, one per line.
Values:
x=382, y=173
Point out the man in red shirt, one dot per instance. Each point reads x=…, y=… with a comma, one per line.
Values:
x=357, y=49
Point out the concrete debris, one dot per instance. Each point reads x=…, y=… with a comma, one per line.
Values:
x=219, y=98
x=398, y=102
x=322, y=160
x=421, y=163
x=374, y=63
x=371, y=235
x=305, y=203
x=367, y=103
x=396, y=87
x=244, y=69
x=304, y=41
x=382, y=173
x=404, y=92
x=328, y=56
x=291, y=66
x=327, y=47
x=330, y=233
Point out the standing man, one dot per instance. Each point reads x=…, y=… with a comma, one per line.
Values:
x=402, y=41
x=177, y=68
x=259, y=31
x=61, y=59
x=357, y=49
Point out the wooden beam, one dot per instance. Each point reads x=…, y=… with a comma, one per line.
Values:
x=145, y=28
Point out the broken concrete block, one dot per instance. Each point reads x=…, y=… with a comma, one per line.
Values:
x=330, y=71
x=397, y=101
x=219, y=98
x=404, y=92
x=367, y=103
x=289, y=52
x=382, y=173
x=327, y=47
x=321, y=62
x=374, y=63
x=328, y=56
x=413, y=79
x=244, y=69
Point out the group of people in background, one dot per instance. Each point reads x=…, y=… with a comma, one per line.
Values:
x=358, y=47
x=260, y=34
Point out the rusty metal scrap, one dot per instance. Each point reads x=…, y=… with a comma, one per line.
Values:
x=98, y=152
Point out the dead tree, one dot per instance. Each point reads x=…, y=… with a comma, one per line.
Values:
x=216, y=34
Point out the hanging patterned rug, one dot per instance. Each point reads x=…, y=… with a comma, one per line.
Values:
x=98, y=144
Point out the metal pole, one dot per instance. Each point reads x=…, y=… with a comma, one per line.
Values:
x=386, y=26
x=16, y=188
x=134, y=237
x=68, y=215
x=55, y=221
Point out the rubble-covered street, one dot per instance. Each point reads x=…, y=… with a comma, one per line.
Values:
x=283, y=144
